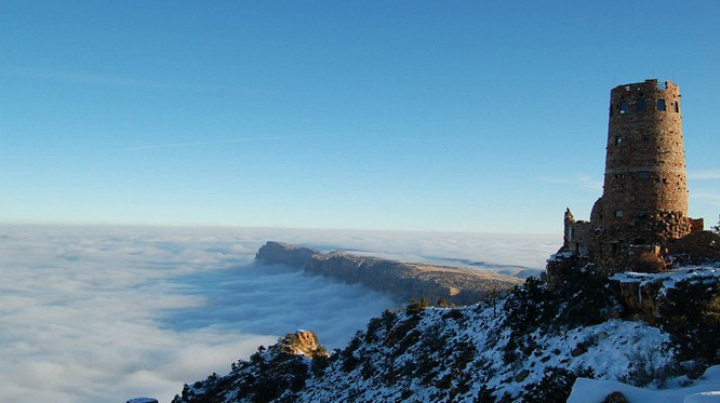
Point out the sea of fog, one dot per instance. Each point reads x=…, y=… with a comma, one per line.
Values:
x=103, y=314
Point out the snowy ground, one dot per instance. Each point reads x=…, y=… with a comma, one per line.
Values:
x=704, y=390
x=671, y=277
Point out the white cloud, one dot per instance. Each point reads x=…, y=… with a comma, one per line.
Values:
x=709, y=197
x=582, y=181
x=704, y=174
x=104, y=314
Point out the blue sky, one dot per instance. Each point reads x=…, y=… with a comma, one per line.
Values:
x=403, y=115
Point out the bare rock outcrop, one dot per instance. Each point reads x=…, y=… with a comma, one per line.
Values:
x=284, y=253
x=643, y=294
x=303, y=342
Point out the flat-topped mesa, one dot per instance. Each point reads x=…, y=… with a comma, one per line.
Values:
x=284, y=253
x=404, y=281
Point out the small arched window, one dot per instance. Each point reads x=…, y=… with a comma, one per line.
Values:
x=623, y=108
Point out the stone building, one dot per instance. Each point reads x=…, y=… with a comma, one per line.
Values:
x=644, y=204
x=576, y=235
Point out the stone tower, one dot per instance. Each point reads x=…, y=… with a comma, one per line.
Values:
x=640, y=222
x=645, y=197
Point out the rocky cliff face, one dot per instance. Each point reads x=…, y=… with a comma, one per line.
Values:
x=284, y=253
x=303, y=342
x=405, y=281
x=643, y=294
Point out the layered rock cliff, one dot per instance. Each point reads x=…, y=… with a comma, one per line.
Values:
x=404, y=281
x=642, y=295
x=284, y=253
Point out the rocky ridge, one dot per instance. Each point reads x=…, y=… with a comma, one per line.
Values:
x=529, y=345
x=405, y=281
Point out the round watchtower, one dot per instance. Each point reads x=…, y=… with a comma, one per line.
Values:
x=645, y=197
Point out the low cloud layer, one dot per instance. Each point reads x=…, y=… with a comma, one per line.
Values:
x=104, y=314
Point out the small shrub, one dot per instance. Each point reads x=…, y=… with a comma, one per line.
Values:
x=528, y=306
x=485, y=395
x=417, y=306
x=454, y=314
x=409, y=340
x=615, y=397
x=383, y=323
x=583, y=300
x=464, y=354
x=647, y=367
x=319, y=364
x=555, y=386
x=510, y=353
x=347, y=356
x=691, y=315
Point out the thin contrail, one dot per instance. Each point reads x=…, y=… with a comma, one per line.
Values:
x=210, y=143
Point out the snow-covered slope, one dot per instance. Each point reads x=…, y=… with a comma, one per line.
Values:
x=530, y=346
x=706, y=389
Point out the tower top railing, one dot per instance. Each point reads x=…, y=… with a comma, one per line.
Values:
x=647, y=85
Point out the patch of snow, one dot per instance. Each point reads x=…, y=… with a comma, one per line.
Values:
x=560, y=256
x=669, y=278
x=704, y=390
x=142, y=400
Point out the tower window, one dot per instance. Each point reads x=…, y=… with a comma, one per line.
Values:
x=618, y=140
x=643, y=174
x=661, y=104
x=623, y=108
x=677, y=107
x=619, y=213
x=640, y=105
